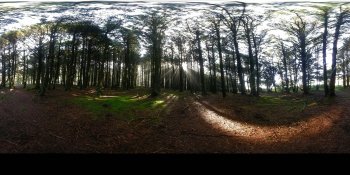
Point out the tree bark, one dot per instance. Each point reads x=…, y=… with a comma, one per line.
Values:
x=201, y=69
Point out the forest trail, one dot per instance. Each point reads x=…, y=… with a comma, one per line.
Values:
x=324, y=132
x=29, y=123
x=197, y=126
x=19, y=118
x=33, y=124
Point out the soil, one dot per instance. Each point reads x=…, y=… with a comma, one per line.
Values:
x=191, y=124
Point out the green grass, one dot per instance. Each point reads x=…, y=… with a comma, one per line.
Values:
x=123, y=107
x=289, y=104
x=337, y=88
x=271, y=109
x=2, y=95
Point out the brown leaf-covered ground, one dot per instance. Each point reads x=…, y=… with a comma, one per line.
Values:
x=190, y=124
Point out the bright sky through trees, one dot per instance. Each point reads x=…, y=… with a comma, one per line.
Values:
x=21, y=14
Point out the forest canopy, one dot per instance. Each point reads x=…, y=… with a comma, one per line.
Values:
x=202, y=47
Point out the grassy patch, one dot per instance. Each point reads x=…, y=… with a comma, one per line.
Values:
x=2, y=95
x=273, y=102
x=321, y=89
x=276, y=109
x=125, y=107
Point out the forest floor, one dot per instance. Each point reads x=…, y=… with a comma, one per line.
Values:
x=129, y=122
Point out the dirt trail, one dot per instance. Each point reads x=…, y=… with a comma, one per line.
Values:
x=18, y=119
x=33, y=124
x=326, y=132
x=197, y=127
x=29, y=123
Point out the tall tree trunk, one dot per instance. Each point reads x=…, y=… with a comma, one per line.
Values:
x=14, y=65
x=40, y=64
x=114, y=58
x=256, y=57
x=284, y=54
x=239, y=62
x=3, y=70
x=173, y=68
x=324, y=52
x=24, y=77
x=251, y=62
x=49, y=61
x=181, y=79
x=156, y=63
x=304, y=65
x=201, y=66
x=58, y=65
x=210, y=68
x=347, y=70
x=344, y=71
x=334, y=55
x=234, y=81
x=119, y=65
x=214, y=68
x=82, y=64
x=218, y=38
x=70, y=65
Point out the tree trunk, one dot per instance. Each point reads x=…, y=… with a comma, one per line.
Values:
x=304, y=64
x=256, y=56
x=214, y=68
x=40, y=64
x=234, y=81
x=3, y=70
x=201, y=70
x=218, y=38
x=334, y=55
x=58, y=65
x=239, y=62
x=324, y=52
x=251, y=63
x=24, y=77
x=284, y=54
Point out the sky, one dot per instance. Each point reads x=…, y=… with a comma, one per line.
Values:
x=211, y=1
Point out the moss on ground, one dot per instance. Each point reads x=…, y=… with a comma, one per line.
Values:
x=125, y=107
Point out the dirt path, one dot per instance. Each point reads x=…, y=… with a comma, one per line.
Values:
x=195, y=126
x=18, y=120
x=33, y=124
x=29, y=123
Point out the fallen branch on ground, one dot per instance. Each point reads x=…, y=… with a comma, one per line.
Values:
x=56, y=136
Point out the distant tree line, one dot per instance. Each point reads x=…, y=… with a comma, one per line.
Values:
x=224, y=50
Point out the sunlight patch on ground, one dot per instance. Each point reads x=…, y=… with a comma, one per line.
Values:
x=228, y=126
x=172, y=96
x=108, y=96
x=157, y=102
x=139, y=97
x=313, y=126
x=92, y=91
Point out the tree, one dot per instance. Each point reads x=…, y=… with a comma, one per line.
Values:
x=324, y=17
x=301, y=31
x=200, y=58
x=342, y=18
x=156, y=26
x=216, y=25
x=248, y=25
x=180, y=42
x=233, y=23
